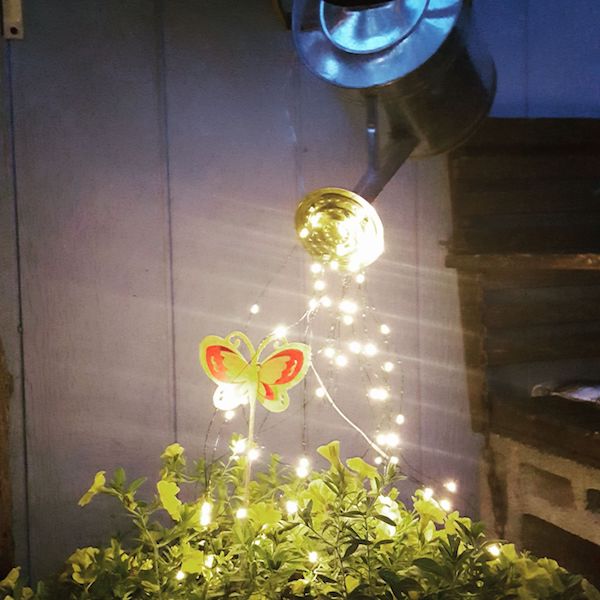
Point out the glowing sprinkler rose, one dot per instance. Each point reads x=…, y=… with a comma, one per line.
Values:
x=339, y=227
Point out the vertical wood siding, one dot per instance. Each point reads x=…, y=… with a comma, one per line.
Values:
x=161, y=148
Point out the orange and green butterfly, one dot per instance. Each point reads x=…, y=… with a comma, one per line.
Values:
x=243, y=381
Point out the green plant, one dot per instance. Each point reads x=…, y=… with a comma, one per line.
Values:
x=337, y=534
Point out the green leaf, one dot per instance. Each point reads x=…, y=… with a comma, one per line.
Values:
x=429, y=566
x=400, y=586
x=119, y=478
x=351, y=583
x=173, y=452
x=350, y=550
x=430, y=511
x=264, y=514
x=331, y=453
x=193, y=561
x=167, y=492
x=589, y=590
x=95, y=488
x=386, y=520
x=364, y=469
x=135, y=485
x=11, y=579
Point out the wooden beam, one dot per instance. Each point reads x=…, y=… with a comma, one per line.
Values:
x=567, y=195
x=526, y=314
x=523, y=346
x=523, y=261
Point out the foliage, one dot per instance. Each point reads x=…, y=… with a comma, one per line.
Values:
x=337, y=534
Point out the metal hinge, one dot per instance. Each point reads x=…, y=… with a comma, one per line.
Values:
x=12, y=19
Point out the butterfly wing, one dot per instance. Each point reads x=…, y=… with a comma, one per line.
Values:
x=281, y=371
x=225, y=365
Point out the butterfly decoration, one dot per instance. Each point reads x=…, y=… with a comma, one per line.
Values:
x=243, y=381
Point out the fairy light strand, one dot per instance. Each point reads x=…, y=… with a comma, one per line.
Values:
x=348, y=420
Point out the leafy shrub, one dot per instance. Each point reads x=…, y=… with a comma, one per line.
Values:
x=337, y=534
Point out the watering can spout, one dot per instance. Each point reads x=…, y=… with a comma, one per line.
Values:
x=382, y=163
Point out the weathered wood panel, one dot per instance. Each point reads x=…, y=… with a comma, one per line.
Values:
x=543, y=278
x=512, y=198
x=94, y=247
x=542, y=344
x=13, y=514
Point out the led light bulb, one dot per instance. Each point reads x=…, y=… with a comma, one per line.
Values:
x=428, y=493
x=494, y=550
x=329, y=352
x=255, y=309
x=334, y=265
x=313, y=557
x=348, y=306
x=326, y=301
x=320, y=392
x=378, y=393
x=303, y=233
x=180, y=575
x=394, y=460
x=381, y=439
x=205, y=514
x=393, y=440
x=369, y=349
x=253, y=454
x=451, y=486
x=280, y=331
x=348, y=319
x=384, y=329
x=446, y=504
x=229, y=414
x=241, y=513
x=302, y=471
x=388, y=366
x=319, y=285
x=341, y=360
x=291, y=507
x=316, y=268
x=378, y=460
x=355, y=347
x=400, y=419
x=304, y=462
x=239, y=446
x=360, y=278
x=313, y=303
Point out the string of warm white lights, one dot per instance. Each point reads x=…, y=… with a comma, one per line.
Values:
x=369, y=441
x=351, y=339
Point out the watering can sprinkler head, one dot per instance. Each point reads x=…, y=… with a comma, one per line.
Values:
x=340, y=225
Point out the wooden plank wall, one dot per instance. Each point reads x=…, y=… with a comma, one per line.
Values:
x=94, y=246
x=160, y=150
